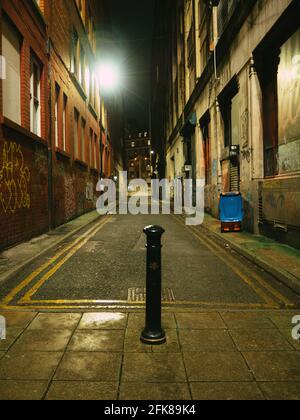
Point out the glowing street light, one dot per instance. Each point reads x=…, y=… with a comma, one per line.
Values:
x=109, y=76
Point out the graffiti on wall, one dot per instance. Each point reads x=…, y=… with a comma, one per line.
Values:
x=14, y=179
x=81, y=202
x=69, y=196
x=282, y=204
x=89, y=191
x=41, y=160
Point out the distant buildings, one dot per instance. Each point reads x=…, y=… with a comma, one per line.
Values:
x=139, y=156
x=57, y=134
x=225, y=104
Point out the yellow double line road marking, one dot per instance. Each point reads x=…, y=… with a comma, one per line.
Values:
x=232, y=263
x=74, y=246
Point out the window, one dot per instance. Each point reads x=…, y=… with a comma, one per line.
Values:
x=94, y=36
x=76, y=132
x=289, y=105
x=92, y=89
x=40, y=4
x=74, y=54
x=95, y=152
x=230, y=107
x=205, y=32
x=279, y=72
x=91, y=148
x=191, y=58
x=206, y=135
x=229, y=103
x=97, y=96
x=35, y=96
x=91, y=28
x=57, y=97
x=11, y=51
x=83, y=124
x=81, y=8
x=81, y=73
x=64, y=123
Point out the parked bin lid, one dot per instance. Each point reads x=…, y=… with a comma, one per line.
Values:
x=231, y=207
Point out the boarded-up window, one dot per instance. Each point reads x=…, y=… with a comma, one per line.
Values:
x=289, y=105
x=11, y=48
x=289, y=90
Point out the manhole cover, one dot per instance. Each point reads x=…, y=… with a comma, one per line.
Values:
x=138, y=294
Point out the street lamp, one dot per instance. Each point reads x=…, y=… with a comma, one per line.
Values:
x=109, y=77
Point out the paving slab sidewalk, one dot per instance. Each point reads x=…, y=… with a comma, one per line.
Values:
x=280, y=260
x=246, y=355
x=17, y=257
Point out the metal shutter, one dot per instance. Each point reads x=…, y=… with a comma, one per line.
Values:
x=234, y=178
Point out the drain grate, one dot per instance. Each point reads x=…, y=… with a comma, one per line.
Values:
x=138, y=294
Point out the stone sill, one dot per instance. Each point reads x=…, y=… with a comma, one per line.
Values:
x=81, y=163
x=7, y=123
x=62, y=153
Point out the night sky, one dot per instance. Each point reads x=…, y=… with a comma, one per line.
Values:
x=132, y=22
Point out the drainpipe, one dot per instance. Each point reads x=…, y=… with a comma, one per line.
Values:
x=50, y=147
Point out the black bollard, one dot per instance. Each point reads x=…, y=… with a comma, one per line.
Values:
x=153, y=333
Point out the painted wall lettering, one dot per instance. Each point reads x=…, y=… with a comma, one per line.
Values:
x=14, y=179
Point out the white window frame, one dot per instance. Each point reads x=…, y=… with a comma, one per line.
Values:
x=64, y=122
x=95, y=151
x=76, y=133
x=56, y=114
x=82, y=135
x=11, y=101
x=35, y=103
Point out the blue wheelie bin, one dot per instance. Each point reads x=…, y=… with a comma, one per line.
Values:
x=231, y=212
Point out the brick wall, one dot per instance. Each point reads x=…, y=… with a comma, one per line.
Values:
x=42, y=183
x=23, y=156
x=74, y=180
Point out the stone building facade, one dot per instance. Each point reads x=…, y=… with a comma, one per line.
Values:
x=138, y=156
x=230, y=109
